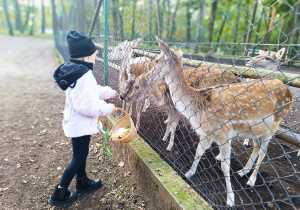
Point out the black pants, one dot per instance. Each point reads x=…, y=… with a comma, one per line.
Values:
x=78, y=162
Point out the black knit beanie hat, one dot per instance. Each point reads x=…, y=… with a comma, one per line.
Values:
x=80, y=45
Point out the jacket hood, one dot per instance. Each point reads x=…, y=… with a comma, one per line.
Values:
x=67, y=74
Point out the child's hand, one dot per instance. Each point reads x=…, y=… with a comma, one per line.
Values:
x=117, y=95
x=114, y=108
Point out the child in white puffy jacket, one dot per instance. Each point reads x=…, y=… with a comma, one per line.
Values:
x=84, y=104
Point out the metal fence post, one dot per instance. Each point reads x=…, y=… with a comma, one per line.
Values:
x=105, y=42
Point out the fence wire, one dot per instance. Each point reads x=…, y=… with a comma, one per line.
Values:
x=212, y=85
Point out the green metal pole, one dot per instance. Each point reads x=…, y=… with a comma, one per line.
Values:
x=73, y=15
x=105, y=42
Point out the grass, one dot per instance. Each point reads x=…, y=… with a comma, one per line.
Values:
x=36, y=35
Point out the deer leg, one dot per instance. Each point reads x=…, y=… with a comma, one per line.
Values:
x=138, y=109
x=203, y=145
x=128, y=108
x=246, y=142
x=251, y=159
x=225, y=164
x=173, y=124
x=218, y=157
x=147, y=104
x=262, y=153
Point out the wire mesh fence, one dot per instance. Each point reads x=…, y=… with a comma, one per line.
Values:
x=218, y=99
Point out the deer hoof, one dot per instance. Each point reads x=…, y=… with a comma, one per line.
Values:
x=241, y=173
x=218, y=157
x=251, y=182
x=189, y=174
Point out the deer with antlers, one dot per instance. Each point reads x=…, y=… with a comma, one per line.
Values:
x=251, y=110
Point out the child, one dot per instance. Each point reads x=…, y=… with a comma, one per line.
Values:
x=84, y=104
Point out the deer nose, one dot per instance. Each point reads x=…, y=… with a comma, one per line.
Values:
x=121, y=97
x=247, y=60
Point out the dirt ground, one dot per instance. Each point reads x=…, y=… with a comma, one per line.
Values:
x=33, y=148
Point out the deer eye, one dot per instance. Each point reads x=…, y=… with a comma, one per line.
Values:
x=137, y=87
x=267, y=58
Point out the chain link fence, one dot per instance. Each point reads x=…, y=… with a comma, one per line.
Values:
x=204, y=91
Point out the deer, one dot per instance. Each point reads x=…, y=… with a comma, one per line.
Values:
x=158, y=92
x=130, y=67
x=251, y=110
x=266, y=59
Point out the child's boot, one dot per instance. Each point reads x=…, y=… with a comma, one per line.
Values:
x=62, y=196
x=84, y=184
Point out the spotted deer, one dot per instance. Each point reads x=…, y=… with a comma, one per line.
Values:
x=159, y=95
x=130, y=67
x=251, y=110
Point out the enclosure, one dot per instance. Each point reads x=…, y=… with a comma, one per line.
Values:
x=237, y=37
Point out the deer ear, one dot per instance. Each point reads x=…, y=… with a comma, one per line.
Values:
x=164, y=48
x=135, y=42
x=180, y=53
x=280, y=53
x=261, y=52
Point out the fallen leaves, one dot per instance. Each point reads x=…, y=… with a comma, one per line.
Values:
x=3, y=189
x=121, y=164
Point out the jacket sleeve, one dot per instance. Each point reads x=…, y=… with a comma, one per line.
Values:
x=85, y=98
x=106, y=92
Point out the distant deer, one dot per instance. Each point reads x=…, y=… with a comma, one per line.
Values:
x=130, y=67
x=158, y=92
x=251, y=110
x=265, y=59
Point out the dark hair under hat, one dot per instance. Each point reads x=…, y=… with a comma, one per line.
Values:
x=80, y=45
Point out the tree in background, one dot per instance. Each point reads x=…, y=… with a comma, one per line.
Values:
x=150, y=21
x=199, y=26
x=8, y=22
x=211, y=25
x=32, y=19
x=43, y=17
x=19, y=25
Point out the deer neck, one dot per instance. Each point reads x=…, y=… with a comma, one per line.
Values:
x=187, y=100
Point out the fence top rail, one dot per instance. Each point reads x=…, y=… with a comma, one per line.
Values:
x=290, y=79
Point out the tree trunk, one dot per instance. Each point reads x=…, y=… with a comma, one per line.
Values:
x=80, y=16
x=43, y=17
x=236, y=26
x=199, y=26
x=27, y=15
x=133, y=19
x=211, y=25
x=10, y=29
x=246, y=20
x=158, y=19
x=32, y=20
x=150, y=21
x=121, y=15
x=115, y=17
x=19, y=25
x=188, y=21
x=250, y=27
x=221, y=29
x=54, y=23
x=98, y=18
x=271, y=25
x=173, y=20
x=168, y=19
x=65, y=16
